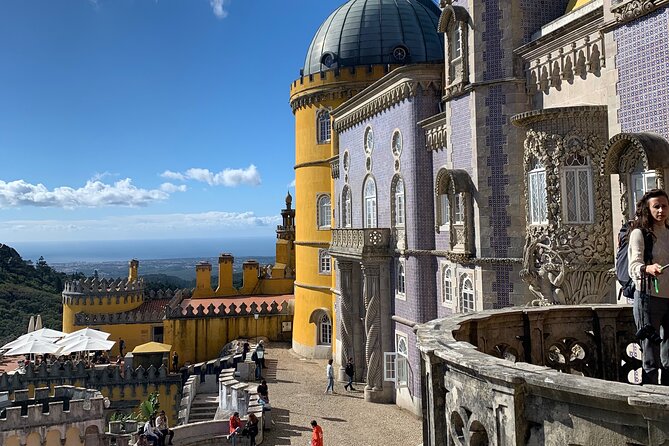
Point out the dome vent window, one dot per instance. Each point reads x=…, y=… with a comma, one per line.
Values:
x=400, y=53
x=329, y=60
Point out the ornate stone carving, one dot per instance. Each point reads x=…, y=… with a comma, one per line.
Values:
x=563, y=262
x=357, y=243
x=630, y=10
x=345, y=318
x=373, y=354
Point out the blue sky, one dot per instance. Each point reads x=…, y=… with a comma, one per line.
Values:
x=148, y=119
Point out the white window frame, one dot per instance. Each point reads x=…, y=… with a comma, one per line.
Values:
x=459, y=209
x=645, y=176
x=396, y=143
x=324, y=262
x=444, y=212
x=346, y=208
x=536, y=184
x=324, y=330
x=466, y=291
x=574, y=196
x=390, y=366
x=399, y=197
x=368, y=143
x=324, y=211
x=323, y=126
x=447, y=290
x=369, y=203
x=456, y=42
x=400, y=279
x=402, y=367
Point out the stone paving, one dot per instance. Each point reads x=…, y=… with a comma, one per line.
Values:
x=296, y=391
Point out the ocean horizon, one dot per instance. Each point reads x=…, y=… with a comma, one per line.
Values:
x=118, y=250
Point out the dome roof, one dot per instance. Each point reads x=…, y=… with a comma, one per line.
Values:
x=370, y=32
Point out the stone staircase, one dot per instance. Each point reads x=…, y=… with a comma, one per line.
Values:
x=204, y=407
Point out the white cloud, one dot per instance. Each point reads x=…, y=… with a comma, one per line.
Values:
x=217, y=7
x=171, y=188
x=139, y=226
x=291, y=184
x=227, y=177
x=94, y=193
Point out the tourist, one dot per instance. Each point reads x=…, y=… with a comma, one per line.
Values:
x=252, y=428
x=349, y=369
x=235, y=426
x=152, y=433
x=263, y=391
x=175, y=362
x=245, y=350
x=651, y=216
x=316, y=434
x=257, y=357
x=143, y=441
x=121, y=346
x=164, y=427
x=329, y=372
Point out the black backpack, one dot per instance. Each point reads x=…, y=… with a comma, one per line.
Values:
x=622, y=262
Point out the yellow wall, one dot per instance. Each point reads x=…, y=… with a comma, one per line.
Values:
x=132, y=334
x=96, y=306
x=311, y=288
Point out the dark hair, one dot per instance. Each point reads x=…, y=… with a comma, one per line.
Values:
x=330, y=361
x=236, y=414
x=642, y=217
x=313, y=423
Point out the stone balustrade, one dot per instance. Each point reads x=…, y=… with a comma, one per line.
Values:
x=226, y=311
x=549, y=375
x=360, y=242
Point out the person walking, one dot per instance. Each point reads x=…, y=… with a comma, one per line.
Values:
x=163, y=426
x=316, y=434
x=349, y=369
x=252, y=428
x=121, y=346
x=329, y=372
x=235, y=427
x=263, y=390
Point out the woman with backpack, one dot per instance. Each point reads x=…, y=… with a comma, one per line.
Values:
x=651, y=299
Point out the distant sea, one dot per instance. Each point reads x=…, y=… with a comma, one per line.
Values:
x=123, y=250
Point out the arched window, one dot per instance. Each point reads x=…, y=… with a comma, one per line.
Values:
x=400, y=286
x=577, y=190
x=324, y=262
x=402, y=360
x=370, y=203
x=399, y=203
x=537, y=184
x=324, y=210
x=323, y=126
x=466, y=295
x=325, y=330
x=447, y=287
x=346, y=210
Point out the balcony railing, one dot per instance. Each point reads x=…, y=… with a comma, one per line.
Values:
x=360, y=243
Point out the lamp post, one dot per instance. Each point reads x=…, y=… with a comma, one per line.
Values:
x=255, y=316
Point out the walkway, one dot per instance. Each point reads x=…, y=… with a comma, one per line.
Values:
x=296, y=389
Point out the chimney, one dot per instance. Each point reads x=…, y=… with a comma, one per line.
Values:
x=225, y=287
x=203, y=280
x=133, y=266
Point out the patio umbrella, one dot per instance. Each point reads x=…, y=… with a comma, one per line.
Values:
x=152, y=347
x=47, y=333
x=83, y=344
x=31, y=324
x=34, y=347
x=38, y=322
x=91, y=333
x=21, y=340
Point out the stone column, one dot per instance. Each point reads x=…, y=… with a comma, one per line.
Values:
x=373, y=353
x=346, y=314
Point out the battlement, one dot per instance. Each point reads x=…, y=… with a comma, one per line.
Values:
x=102, y=288
x=227, y=311
x=66, y=405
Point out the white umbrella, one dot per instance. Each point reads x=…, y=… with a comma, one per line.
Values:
x=43, y=334
x=91, y=333
x=83, y=344
x=47, y=333
x=34, y=346
x=38, y=322
x=31, y=324
x=21, y=340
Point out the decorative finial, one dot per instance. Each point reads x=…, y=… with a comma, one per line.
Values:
x=289, y=200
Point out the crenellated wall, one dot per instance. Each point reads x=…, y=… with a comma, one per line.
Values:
x=70, y=415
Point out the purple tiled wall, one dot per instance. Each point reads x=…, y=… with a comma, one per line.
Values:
x=461, y=133
x=643, y=77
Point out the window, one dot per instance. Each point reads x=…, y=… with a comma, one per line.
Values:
x=537, y=184
x=323, y=126
x=325, y=330
x=641, y=182
x=447, y=287
x=396, y=143
x=370, y=203
x=402, y=366
x=346, y=210
x=577, y=190
x=456, y=42
x=444, y=212
x=324, y=262
x=369, y=140
x=400, y=284
x=399, y=203
x=324, y=210
x=466, y=295
x=389, y=371
x=459, y=209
